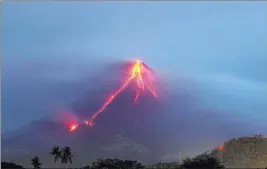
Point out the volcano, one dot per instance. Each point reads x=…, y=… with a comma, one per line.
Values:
x=141, y=75
x=150, y=131
x=125, y=129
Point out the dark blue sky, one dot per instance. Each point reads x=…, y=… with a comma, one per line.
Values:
x=220, y=46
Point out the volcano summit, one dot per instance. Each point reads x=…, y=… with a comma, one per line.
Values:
x=141, y=75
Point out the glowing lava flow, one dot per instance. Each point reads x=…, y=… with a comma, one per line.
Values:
x=137, y=71
x=73, y=127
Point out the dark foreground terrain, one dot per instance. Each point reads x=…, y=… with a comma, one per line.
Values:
x=246, y=152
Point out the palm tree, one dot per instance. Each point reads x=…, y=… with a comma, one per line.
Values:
x=56, y=152
x=66, y=155
x=35, y=161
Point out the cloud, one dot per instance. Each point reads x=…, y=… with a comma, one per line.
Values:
x=238, y=83
x=244, y=98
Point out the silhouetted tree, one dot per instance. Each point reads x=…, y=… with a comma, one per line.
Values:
x=66, y=156
x=56, y=152
x=35, y=161
x=116, y=164
x=203, y=161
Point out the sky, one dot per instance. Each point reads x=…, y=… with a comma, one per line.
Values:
x=219, y=46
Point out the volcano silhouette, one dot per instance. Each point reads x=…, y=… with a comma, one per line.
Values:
x=146, y=131
x=123, y=130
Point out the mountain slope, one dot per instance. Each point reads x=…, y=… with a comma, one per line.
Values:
x=148, y=131
x=116, y=133
x=244, y=152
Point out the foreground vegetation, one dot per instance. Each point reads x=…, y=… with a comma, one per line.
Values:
x=64, y=155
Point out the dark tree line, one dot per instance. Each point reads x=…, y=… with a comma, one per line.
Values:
x=65, y=154
x=116, y=164
x=203, y=161
x=10, y=165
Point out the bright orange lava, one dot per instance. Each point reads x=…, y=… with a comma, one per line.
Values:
x=137, y=71
x=73, y=127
